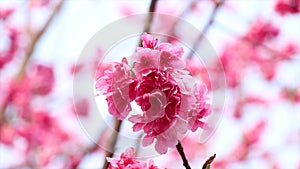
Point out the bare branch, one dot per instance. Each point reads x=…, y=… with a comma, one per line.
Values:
x=182, y=155
x=210, y=22
x=36, y=37
x=208, y=162
x=113, y=141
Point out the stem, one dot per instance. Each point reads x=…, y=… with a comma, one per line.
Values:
x=138, y=143
x=208, y=162
x=92, y=148
x=149, y=18
x=182, y=155
x=114, y=138
x=183, y=14
x=206, y=28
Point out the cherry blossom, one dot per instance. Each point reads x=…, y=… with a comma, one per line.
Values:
x=171, y=101
x=260, y=57
x=115, y=85
x=127, y=161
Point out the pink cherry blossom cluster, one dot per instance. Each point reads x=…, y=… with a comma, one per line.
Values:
x=127, y=161
x=39, y=81
x=172, y=103
x=37, y=116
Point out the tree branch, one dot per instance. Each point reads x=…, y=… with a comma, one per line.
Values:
x=36, y=37
x=111, y=149
x=182, y=155
x=208, y=162
x=210, y=22
x=149, y=18
x=183, y=14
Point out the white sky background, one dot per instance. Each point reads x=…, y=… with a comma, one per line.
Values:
x=80, y=20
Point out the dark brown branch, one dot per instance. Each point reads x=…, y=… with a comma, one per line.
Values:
x=182, y=155
x=208, y=162
x=210, y=22
x=149, y=18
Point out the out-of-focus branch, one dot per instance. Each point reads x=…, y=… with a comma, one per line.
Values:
x=34, y=41
x=113, y=141
x=208, y=162
x=138, y=143
x=184, y=13
x=262, y=45
x=188, y=8
x=182, y=155
x=210, y=22
x=149, y=19
x=36, y=37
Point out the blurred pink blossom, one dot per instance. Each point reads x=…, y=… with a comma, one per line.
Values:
x=262, y=30
x=8, y=54
x=6, y=12
x=284, y=7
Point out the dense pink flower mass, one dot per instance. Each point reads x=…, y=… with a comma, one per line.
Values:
x=115, y=85
x=127, y=161
x=261, y=31
x=171, y=101
x=284, y=7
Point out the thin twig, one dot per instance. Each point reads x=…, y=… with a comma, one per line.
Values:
x=208, y=162
x=149, y=19
x=36, y=37
x=34, y=41
x=138, y=144
x=182, y=155
x=92, y=148
x=256, y=43
x=206, y=28
x=111, y=149
x=183, y=14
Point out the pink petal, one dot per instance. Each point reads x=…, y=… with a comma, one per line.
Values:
x=169, y=61
x=173, y=50
x=161, y=147
x=145, y=59
x=147, y=140
x=138, y=126
x=158, y=103
x=149, y=41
